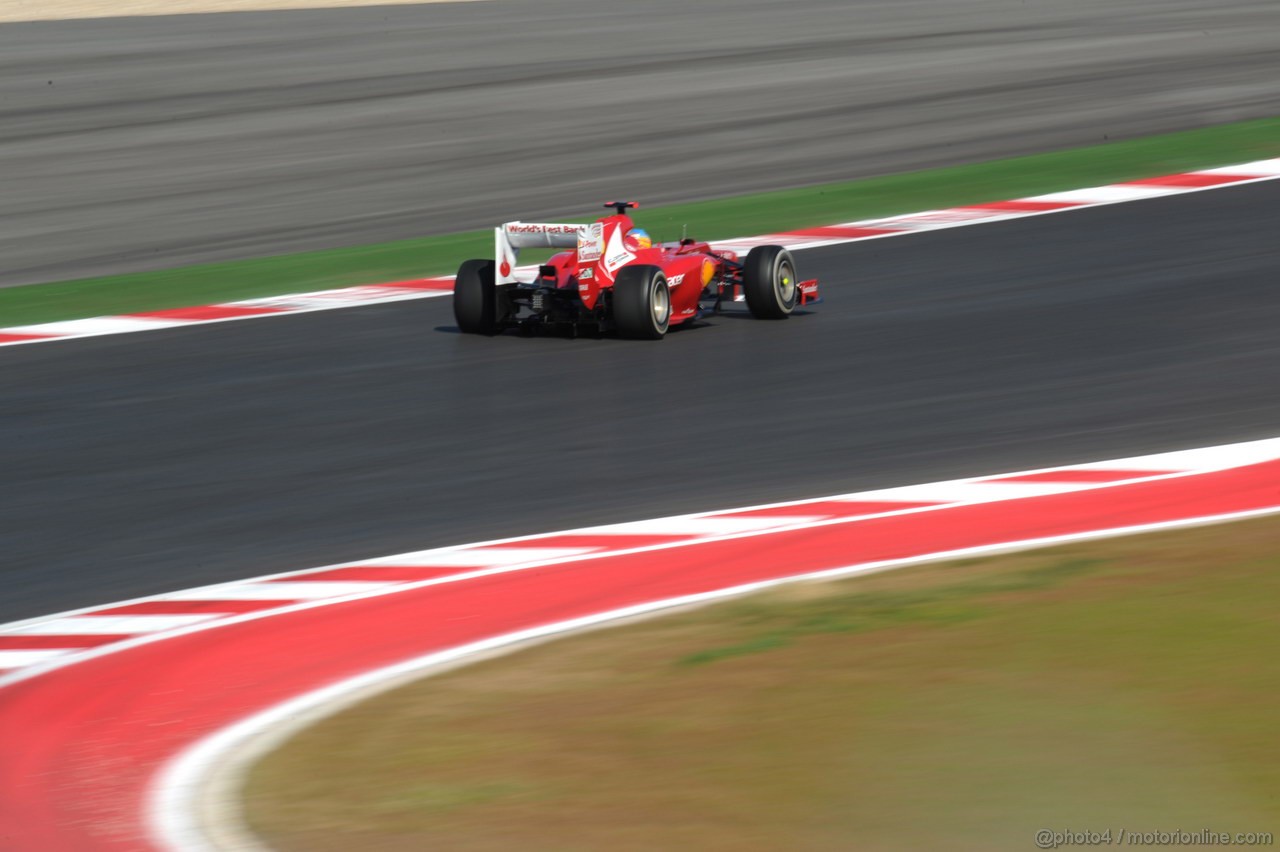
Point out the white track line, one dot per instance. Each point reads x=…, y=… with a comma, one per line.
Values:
x=974, y=492
x=29, y=657
x=277, y=591
x=108, y=625
x=704, y=526
x=478, y=556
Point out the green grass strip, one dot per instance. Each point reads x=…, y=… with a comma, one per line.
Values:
x=719, y=219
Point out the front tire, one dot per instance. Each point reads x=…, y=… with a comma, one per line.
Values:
x=475, y=298
x=769, y=282
x=641, y=303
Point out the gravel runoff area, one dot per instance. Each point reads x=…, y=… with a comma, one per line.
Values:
x=150, y=142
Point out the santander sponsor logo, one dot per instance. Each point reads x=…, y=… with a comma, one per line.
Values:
x=616, y=254
x=590, y=243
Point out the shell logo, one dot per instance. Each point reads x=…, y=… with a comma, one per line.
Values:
x=708, y=272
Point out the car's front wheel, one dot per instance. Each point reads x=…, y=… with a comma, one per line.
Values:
x=641, y=303
x=769, y=282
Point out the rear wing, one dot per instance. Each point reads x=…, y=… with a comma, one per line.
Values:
x=510, y=238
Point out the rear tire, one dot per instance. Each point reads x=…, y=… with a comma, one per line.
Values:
x=641, y=303
x=769, y=282
x=475, y=298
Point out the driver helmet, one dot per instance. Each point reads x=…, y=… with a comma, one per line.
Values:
x=638, y=238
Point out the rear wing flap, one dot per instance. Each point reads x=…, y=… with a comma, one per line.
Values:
x=510, y=238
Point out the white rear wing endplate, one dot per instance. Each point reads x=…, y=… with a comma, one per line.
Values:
x=510, y=238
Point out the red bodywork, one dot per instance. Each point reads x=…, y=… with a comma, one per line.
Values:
x=690, y=268
x=575, y=289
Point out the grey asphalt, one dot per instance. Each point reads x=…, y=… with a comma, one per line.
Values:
x=142, y=463
x=131, y=144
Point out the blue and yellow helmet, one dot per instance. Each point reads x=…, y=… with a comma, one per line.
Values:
x=641, y=238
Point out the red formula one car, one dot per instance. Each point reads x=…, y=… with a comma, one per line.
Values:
x=613, y=279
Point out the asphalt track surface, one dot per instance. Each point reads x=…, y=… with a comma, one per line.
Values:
x=142, y=143
x=150, y=462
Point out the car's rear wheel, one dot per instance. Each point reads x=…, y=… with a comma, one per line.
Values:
x=641, y=303
x=769, y=282
x=475, y=298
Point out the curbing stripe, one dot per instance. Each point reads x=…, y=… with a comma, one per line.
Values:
x=123, y=624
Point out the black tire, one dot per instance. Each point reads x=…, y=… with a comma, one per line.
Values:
x=641, y=303
x=769, y=282
x=475, y=298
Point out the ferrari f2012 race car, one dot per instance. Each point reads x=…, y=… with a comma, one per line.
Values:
x=613, y=279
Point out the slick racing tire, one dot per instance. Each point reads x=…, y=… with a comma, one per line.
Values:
x=769, y=282
x=475, y=298
x=641, y=303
